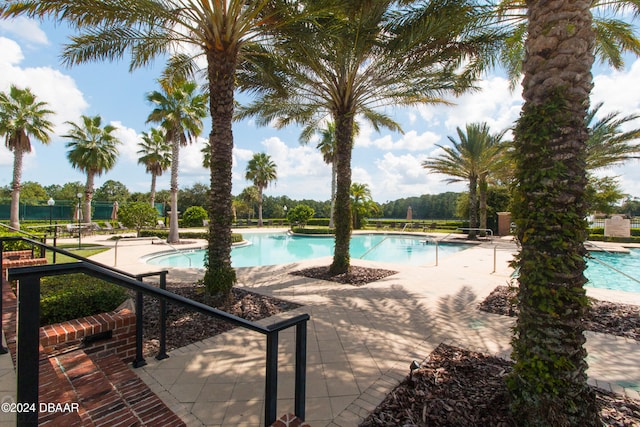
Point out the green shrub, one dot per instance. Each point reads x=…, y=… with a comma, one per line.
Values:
x=193, y=216
x=319, y=222
x=138, y=215
x=301, y=230
x=597, y=231
x=300, y=215
x=600, y=238
x=163, y=234
x=72, y=296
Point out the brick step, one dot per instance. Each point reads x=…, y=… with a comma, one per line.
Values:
x=111, y=394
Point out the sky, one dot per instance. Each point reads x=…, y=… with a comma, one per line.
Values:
x=389, y=162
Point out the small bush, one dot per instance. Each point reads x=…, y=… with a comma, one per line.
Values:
x=301, y=230
x=163, y=234
x=300, y=215
x=72, y=296
x=319, y=222
x=193, y=216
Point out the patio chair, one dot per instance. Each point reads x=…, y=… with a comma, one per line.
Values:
x=161, y=224
x=108, y=227
x=205, y=222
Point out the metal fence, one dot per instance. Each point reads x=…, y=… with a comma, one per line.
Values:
x=62, y=210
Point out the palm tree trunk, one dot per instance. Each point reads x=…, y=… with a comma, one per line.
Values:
x=259, y=206
x=14, y=217
x=482, y=192
x=549, y=382
x=344, y=144
x=88, y=197
x=334, y=172
x=153, y=190
x=473, y=206
x=220, y=277
x=174, y=236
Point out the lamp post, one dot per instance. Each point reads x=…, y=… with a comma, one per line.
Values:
x=50, y=202
x=79, y=196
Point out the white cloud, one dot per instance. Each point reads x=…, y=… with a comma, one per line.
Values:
x=25, y=29
x=403, y=176
x=129, y=139
x=294, y=162
x=11, y=55
x=618, y=90
x=495, y=104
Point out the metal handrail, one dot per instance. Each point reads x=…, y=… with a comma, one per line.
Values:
x=28, y=332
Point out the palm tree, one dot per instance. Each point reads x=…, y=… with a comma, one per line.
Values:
x=262, y=171
x=548, y=385
x=362, y=56
x=613, y=37
x=21, y=115
x=608, y=145
x=222, y=32
x=362, y=203
x=327, y=147
x=179, y=110
x=155, y=155
x=472, y=159
x=92, y=150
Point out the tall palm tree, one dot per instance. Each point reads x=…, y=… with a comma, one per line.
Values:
x=472, y=159
x=21, y=115
x=93, y=149
x=262, y=171
x=614, y=37
x=327, y=147
x=548, y=385
x=155, y=155
x=362, y=56
x=222, y=32
x=179, y=109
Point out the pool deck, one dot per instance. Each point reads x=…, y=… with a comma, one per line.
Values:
x=361, y=340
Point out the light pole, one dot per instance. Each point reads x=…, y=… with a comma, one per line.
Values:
x=50, y=202
x=79, y=196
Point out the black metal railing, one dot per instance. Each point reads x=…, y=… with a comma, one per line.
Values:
x=28, y=330
x=139, y=358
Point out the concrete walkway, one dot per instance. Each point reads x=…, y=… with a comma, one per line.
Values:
x=361, y=340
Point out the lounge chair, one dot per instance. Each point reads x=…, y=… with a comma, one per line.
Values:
x=205, y=222
x=161, y=224
x=108, y=227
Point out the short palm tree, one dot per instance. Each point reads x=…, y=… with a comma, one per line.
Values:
x=93, y=149
x=179, y=109
x=362, y=56
x=155, y=155
x=327, y=147
x=361, y=203
x=472, y=159
x=262, y=171
x=21, y=116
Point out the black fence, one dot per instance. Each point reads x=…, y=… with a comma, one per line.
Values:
x=62, y=210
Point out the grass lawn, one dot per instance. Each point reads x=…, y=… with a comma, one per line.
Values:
x=86, y=251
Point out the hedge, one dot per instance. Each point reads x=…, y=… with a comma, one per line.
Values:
x=300, y=230
x=71, y=296
x=163, y=234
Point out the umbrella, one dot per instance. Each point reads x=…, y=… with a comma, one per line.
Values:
x=77, y=214
x=409, y=214
x=114, y=211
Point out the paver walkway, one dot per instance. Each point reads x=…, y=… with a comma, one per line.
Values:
x=361, y=340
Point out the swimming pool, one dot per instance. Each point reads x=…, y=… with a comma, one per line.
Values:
x=281, y=248
x=603, y=277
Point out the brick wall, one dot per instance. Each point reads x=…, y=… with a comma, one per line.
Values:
x=61, y=336
x=12, y=259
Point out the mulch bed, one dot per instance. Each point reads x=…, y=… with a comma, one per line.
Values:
x=184, y=326
x=356, y=276
x=457, y=387
x=622, y=320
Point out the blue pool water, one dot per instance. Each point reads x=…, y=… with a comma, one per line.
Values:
x=604, y=277
x=280, y=248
